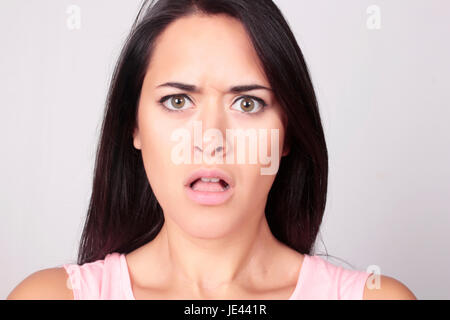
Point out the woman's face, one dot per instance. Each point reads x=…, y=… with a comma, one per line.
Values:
x=213, y=54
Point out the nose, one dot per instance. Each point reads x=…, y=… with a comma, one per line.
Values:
x=216, y=149
x=209, y=150
x=213, y=121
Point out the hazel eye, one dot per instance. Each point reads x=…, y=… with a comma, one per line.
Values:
x=175, y=102
x=249, y=104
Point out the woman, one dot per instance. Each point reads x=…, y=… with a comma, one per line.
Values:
x=158, y=229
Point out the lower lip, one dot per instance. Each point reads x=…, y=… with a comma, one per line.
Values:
x=209, y=198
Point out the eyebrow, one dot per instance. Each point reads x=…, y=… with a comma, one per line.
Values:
x=194, y=89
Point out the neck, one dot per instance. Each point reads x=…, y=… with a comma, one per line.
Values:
x=216, y=263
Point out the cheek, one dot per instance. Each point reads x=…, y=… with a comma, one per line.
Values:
x=257, y=179
x=156, y=146
x=270, y=140
x=275, y=135
x=269, y=128
x=155, y=132
x=255, y=187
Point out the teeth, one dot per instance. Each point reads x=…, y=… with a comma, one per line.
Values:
x=210, y=179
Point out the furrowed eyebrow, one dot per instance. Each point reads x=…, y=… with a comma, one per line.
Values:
x=193, y=88
x=182, y=86
x=249, y=87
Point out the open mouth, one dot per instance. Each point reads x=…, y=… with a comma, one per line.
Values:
x=209, y=185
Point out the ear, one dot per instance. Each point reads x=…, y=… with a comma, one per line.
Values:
x=137, y=139
x=286, y=147
x=287, y=137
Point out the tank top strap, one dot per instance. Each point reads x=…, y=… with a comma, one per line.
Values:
x=97, y=280
x=322, y=280
x=108, y=279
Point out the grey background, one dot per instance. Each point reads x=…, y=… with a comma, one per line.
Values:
x=384, y=98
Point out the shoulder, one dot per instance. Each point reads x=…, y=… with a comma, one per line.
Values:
x=46, y=284
x=381, y=287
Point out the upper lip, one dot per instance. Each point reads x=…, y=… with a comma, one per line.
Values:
x=205, y=173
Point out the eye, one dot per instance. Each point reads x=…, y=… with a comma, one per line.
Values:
x=177, y=102
x=249, y=104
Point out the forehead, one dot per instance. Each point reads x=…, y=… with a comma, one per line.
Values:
x=206, y=49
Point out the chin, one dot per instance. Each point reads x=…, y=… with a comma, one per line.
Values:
x=207, y=226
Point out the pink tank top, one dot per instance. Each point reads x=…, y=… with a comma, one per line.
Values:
x=109, y=279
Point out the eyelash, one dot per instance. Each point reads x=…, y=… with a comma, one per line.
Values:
x=165, y=98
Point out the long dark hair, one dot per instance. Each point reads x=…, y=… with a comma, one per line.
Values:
x=124, y=213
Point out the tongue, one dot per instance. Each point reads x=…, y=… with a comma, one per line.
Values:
x=200, y=185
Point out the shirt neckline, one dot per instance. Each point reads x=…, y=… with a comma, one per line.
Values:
x=126, y=279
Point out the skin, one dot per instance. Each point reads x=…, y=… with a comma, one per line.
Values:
x=205, y=252
x=221, y=251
